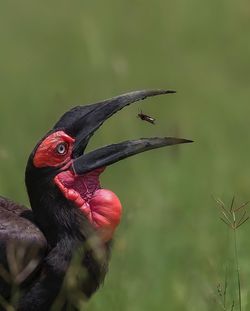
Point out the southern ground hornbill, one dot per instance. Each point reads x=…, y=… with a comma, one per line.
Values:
x=71, y=214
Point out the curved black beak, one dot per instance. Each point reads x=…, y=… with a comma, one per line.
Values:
x=113, y=153
x=82, y=121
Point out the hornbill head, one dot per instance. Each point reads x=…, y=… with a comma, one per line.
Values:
x=60, y=172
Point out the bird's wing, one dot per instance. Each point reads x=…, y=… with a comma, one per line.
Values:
x=22, y=245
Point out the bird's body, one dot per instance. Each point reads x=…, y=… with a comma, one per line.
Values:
x=22, y=246
x=38, y=268
x=73, y=219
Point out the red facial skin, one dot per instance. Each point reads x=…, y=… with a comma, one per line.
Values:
x=47, y=154
x=101, y=206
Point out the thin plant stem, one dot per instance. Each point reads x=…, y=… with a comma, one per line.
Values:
x=237, y=268
x=233, y=217
x=5, y=304
x=225, y=291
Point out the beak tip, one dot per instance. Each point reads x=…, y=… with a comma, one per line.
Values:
x=188, y=141
x=170, y=92
x=177, y=141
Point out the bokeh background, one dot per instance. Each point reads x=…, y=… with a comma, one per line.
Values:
x=171, y=249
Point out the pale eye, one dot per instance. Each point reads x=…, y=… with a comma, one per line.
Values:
x=62, y=148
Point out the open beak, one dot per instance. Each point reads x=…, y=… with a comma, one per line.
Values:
x=83, y=121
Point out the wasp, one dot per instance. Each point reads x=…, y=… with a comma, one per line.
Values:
x=145, y=117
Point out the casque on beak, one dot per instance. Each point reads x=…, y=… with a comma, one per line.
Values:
x=82, y=121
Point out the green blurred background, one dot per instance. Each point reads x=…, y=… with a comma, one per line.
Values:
x=171, y=249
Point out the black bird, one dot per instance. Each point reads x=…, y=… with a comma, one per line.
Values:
x=71, y=214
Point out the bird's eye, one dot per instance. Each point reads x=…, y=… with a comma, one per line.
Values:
x=62, y=148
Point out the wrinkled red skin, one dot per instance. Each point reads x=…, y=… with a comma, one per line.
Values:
x=101, y=206
x=104, y=211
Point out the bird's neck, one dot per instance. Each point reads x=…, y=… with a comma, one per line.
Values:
x=58, y=219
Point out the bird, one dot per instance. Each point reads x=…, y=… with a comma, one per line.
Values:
x=71, y=215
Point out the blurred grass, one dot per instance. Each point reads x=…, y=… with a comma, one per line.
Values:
x=170, y=248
